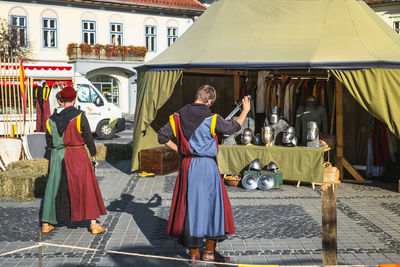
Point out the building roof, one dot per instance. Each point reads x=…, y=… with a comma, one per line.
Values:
x=376, y=2
x=186, y=4
x=188, y=7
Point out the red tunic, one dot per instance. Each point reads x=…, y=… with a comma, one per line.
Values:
x=178, y=205
x=42, y=112
x=86, y=200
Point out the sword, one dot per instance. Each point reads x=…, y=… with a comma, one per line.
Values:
x=236, y=109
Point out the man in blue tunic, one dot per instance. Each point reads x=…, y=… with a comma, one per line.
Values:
x=200, y=205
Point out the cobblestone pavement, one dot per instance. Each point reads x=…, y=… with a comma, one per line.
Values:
x=281, y=226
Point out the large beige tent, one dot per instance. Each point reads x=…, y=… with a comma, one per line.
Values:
x=343, y=36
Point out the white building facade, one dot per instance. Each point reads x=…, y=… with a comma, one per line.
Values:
x=47, y=28
x=388, y=10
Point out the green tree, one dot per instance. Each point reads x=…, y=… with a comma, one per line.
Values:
x=12, y=41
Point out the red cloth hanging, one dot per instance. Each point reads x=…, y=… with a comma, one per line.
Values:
x=380, y=142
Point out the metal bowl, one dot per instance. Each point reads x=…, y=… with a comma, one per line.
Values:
x=255, y=165
x=265, y=182
x=249, y=181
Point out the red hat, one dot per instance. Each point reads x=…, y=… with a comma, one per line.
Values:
x=68, y=93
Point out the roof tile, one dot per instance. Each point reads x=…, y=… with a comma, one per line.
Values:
x=187, y=4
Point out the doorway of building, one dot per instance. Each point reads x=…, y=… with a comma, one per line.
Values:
x=108, y=86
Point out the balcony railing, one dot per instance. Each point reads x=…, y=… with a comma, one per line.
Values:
x=74, y=53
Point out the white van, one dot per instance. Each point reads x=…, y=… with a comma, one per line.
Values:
x=89, y=99
x=97, y=109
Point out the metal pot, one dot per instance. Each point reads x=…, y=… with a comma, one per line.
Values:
x=312, y=131
x=267, y=134
x=247, y=136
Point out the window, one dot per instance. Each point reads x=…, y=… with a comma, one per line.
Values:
x=172, y=35
x=108, y=86
x=396, y=26
x=151, y=35
x=18, y=27
x=49, y=32
x=116, y=33
x=89, y=32
x=84, y=93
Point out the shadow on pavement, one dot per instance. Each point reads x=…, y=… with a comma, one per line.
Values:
x=154, y=230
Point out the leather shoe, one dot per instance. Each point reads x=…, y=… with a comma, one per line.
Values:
x=194, y=259
x=46, y=228
x=214, y=256
x=95, y=228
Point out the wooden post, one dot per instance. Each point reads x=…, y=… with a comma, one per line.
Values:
x=329, y=229
x=2, y=88
x=31, y=93
x=19, y=98
x=236, y=86
x=339, y=125
x=9, y=111
x=15, y=106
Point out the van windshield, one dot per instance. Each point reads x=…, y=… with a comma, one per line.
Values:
x=86, y=93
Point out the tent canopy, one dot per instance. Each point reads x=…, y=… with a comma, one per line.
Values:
x=343, y=36
x=259, y=34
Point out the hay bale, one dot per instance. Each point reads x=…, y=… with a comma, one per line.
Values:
x=113, y=151
x=24, y=180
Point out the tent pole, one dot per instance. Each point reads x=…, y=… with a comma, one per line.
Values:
x=236, y=86
x=339, y=125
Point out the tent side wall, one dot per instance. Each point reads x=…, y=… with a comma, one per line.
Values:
x=377, y=91
x=154, y=89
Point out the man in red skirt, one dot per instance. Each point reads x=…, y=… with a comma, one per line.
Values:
x=200, y=205
x=72, y=192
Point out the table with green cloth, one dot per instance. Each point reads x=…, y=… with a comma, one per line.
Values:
x=296, y=163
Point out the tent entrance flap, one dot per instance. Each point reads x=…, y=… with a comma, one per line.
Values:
x=154, y=89
x=377, y=91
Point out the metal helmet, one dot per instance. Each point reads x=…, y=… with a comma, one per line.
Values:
x=249, y=181
x=268, y=134
x=255, y=165
x=257, y=139
x=312, y=131
x=288, y=136
x=274, y=115
x=247, y=136
x=272, y=167
x=265, y=182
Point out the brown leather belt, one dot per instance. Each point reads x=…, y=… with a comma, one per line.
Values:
x=74, y=146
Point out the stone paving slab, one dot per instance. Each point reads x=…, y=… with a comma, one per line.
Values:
x=281, y=226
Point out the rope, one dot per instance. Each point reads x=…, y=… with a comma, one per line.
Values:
x=18, y=250
x=40, y=244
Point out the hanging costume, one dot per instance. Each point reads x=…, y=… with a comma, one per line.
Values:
x=72, y=191
x=200, y=204
x=42, y=106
